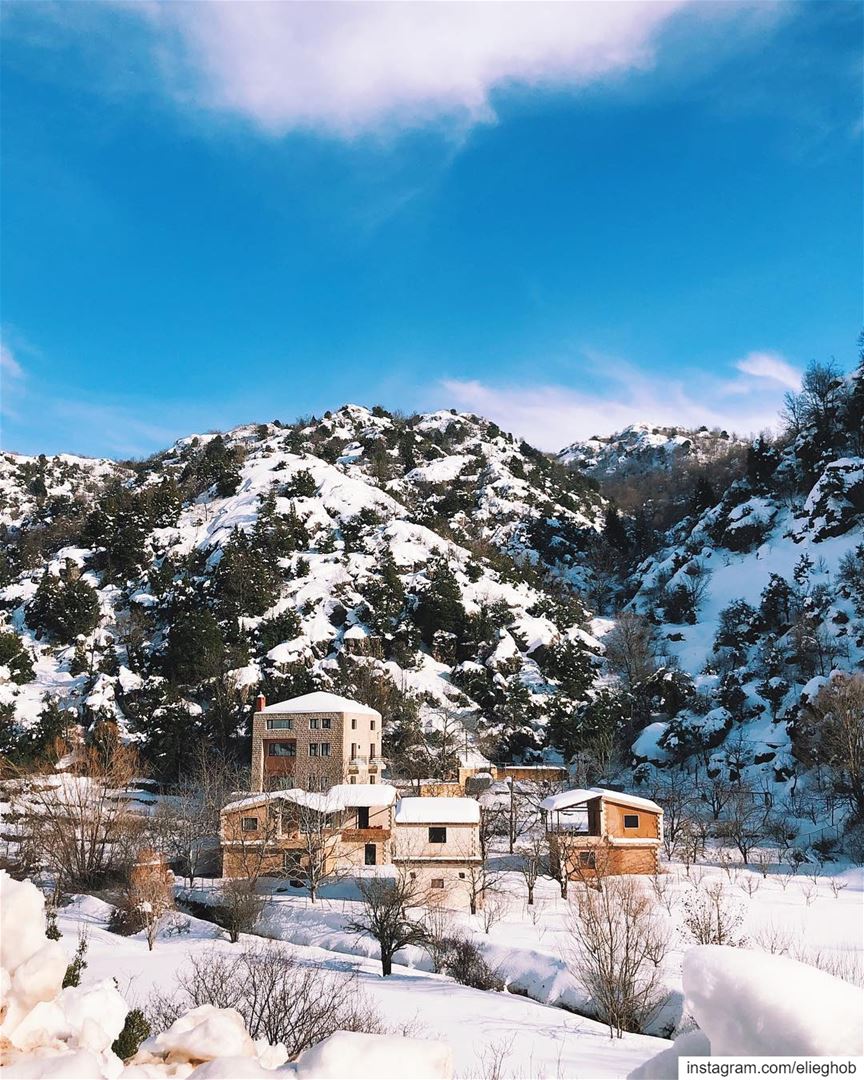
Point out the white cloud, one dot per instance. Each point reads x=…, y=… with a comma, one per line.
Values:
x=349, y=68
x=9, y=366
x=551, y=417
x=771, y=366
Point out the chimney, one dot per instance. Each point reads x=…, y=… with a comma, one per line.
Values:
x=260, y=702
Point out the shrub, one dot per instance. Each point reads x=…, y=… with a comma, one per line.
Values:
x=280, y=998
x=465, y=963
x=135, y=1030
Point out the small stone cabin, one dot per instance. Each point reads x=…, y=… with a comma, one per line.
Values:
x=595, y=831
x=264, y=833
x=437, y=842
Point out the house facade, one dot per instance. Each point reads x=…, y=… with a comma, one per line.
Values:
x=275, y=833
x=594, y=831
x=437, y=843
x=314, y=742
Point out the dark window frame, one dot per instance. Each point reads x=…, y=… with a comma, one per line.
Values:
x=631, y=821
x=437, y=834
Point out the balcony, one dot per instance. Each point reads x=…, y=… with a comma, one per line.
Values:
x=376, y=764
x=356, y=764
x=365, y=836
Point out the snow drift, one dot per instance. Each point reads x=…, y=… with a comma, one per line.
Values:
x=46, y=1031
x=748, y=1002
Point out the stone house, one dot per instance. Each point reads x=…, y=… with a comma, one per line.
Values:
x=272, y=833
x=315, y=741
x=595, y=831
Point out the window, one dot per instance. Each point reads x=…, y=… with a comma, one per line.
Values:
x=371, y=725
x=325, y=749
x=327, y=723
x=437, y=834
x=371, y=750
x=352, y=779
x=353, y=750
x=353, y=725
x=313, y=749
x=588, y=859
x=280, y=723
x=250, y=824
x=281, y=749
x=413, y=875
x=362, y=817
x=437, y=883
x=462, y=874
x=631, y=821
x=313, y=723
x=370, y=854
x=372, y=780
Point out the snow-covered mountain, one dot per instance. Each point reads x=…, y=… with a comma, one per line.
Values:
x=642, y=448
x=431, y=561
x=452, y=576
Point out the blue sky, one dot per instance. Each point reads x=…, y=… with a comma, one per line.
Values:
x=567, y=218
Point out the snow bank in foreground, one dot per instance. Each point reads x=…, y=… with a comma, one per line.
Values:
x=749, y=1002
x=46, y=1031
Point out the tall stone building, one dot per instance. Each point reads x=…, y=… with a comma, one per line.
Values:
x=315, y=741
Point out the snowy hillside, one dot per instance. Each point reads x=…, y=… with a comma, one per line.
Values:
x=643, y=448
x=424, y=564
x=479, y=593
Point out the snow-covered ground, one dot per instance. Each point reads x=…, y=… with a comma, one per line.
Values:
x=815, y=917
x=537, y=1041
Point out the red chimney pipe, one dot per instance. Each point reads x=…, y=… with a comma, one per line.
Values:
x=260, y=702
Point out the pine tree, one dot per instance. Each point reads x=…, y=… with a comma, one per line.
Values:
x=63, y=609
x=439, y=607
x=15, y=656
x=195, y=647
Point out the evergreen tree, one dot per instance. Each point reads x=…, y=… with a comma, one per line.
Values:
x=195, y=647
x=15, y=656
x=63, y=609
x=439, y=606
x=613, y=529
x=246, y=581
x=704, y=495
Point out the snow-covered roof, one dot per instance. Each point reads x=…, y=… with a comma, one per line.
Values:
x=339, y=797
x=432, y=811
x=320, y=702
x=566, y=799
x=365, y=794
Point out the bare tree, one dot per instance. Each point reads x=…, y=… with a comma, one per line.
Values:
x=832, y=730
x=387, y=916
x=631, y=648
x=240, y=908
x=710, y=916
x=82, y=825
x=319, y=832
x=186, y=824
x=618, y=947
x=534, y=862
x=493, y=910
x=151, y=892
x=674, y=792
x=744, y=824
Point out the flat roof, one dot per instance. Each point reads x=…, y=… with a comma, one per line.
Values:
x=434, y=810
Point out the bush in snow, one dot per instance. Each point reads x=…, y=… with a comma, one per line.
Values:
x=281, y=998
x=711, y=917
x=831, y=731
x=464, y=962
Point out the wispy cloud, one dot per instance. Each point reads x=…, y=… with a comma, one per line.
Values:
x=552, y=416
x=12, y=378
x=771, y=366
x=349, y=69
